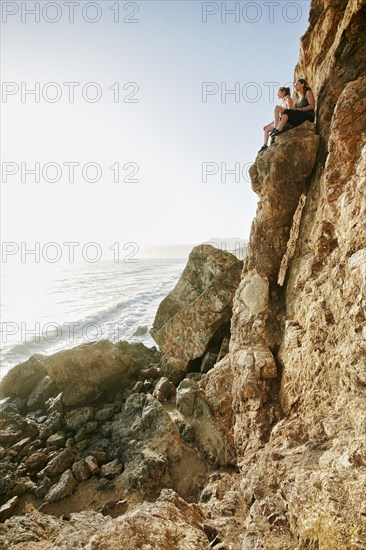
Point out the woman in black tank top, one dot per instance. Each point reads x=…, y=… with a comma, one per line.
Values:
x=304, y=109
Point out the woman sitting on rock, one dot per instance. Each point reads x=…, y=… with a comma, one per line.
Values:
x=286, y=103
x=304, y=109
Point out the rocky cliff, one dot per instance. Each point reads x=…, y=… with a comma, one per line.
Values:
x=267, y=450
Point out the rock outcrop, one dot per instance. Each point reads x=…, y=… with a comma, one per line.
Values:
x=193, y=320
x=300, y=313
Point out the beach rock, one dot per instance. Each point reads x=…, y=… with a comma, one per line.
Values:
x=58, y=440
x=144, y=356
x=111, y=469
x=92, y=464
x=64, y=488
x=36, y=462
x=23, y=378
x=14, y=427
x=208, y=361
x=195, y=316
x=164, y=390
x=51, y=424
x=208, y=433
x=106, y=413
x=149, y=526
x=81, y=470
x=86, y=372
x=114, y=508
x=57, y=465
x=43, y=487
x=54, y=404
x=6, y=509
x=78, y=418
x=45, y=389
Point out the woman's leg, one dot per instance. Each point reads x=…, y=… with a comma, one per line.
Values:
x=277, y=113
x=282, y=122
x=267, y=129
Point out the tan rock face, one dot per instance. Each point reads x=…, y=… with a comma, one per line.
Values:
x=85, y=372
x=195, y=316
x=301, y=435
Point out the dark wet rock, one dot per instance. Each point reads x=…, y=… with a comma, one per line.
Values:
x=106, y=413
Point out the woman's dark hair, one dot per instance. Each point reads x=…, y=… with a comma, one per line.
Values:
x=306, y=85
x=286, y=90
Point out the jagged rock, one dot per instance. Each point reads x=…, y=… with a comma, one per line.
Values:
x=150, y=525
x=81, y=470
x=105, y=414
x=104, y=484
x=54, y=404
x=92, y=464
x=111, y=469
x=23, y=378
x=152, y=452
x=208, y=361
x=6, y=509
x=51, y=424
x=84, y=373
x=36, y=462
x=194, y=317
x=14, y=427
x=77, y=418
x=164, y=390
x=91, y=427
x=114, y=508
x=209, y=434
x=58, y=440
x=21, y=445
x=57, y=465
x=64, y=488
x=45, y=389
x=43, y=488
x=100, y=456
x=144, y=356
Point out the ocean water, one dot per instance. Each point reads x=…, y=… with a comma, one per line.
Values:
x=49, y=308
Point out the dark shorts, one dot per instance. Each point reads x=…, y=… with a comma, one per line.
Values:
x=298, y=117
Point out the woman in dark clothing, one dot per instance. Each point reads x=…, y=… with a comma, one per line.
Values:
x=304, y=109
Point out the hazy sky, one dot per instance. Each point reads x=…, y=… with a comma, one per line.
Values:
x=149, y=100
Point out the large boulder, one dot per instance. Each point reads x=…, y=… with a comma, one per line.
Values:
x=22, y=379
x=87, y=372
x=195, y=317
